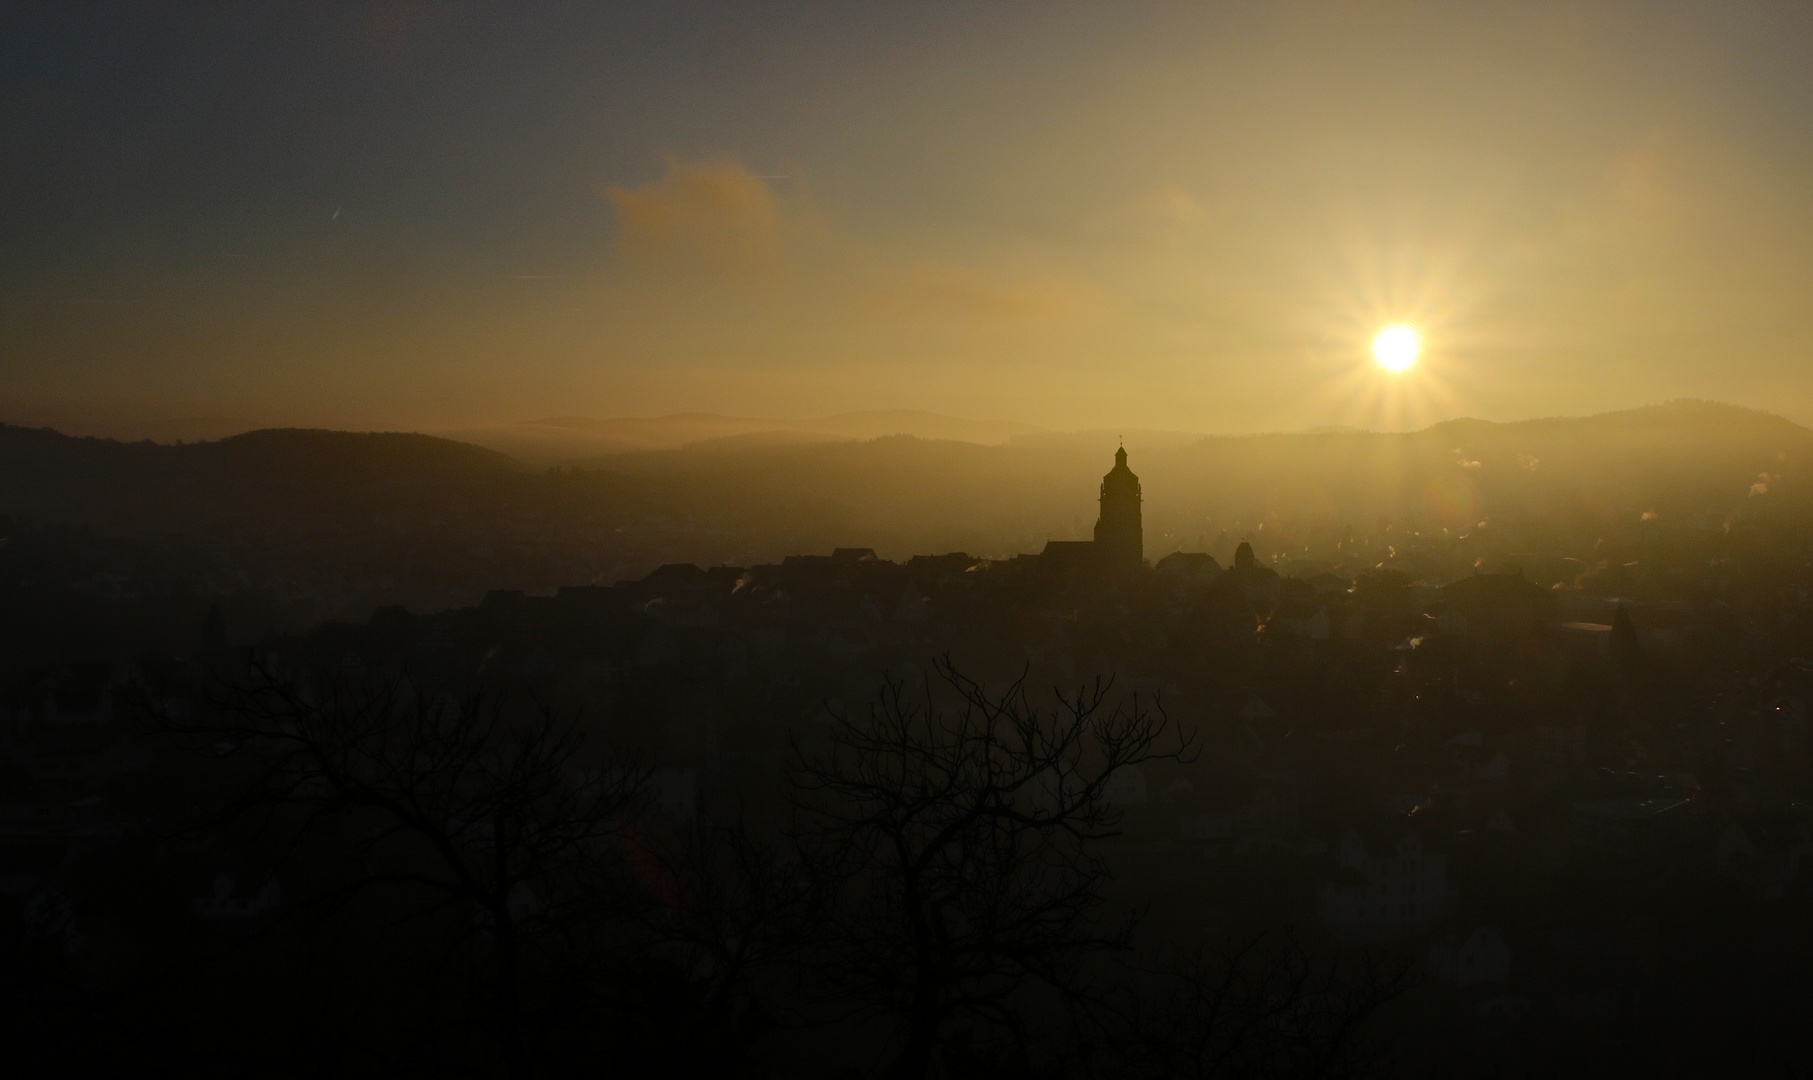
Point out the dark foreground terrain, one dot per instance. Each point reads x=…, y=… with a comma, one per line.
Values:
x=1483, y=752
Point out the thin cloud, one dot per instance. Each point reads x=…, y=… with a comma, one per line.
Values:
x=713, y=214
x=1011, y=297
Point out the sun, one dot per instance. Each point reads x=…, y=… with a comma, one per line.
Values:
x=1396, y=347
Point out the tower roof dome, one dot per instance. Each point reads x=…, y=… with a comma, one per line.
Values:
x=1120, y=472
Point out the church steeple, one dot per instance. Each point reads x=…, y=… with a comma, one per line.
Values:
x=1119, y=535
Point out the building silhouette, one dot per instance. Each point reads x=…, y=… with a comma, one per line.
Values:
x=1119, y=536
x=1119, y=545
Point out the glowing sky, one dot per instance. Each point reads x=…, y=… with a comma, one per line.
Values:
x=1172, y=216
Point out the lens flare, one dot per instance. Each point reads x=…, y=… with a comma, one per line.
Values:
x=1396, y=347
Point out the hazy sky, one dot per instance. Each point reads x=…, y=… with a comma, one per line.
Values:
x=1185, y=216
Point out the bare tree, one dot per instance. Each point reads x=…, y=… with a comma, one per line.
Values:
x=957, y=825
x=479, y=808
x=745, y=908
x=1265, y=1008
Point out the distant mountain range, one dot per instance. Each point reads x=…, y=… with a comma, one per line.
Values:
x=728, y=489
x=567, y=438
x=259, y=478
x=1677, y=460
x=181, y=429
x=561, y=439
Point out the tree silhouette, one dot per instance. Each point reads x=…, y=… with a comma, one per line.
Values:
x=957, y=827
x=478, y=809
x=745, y=909
x=1256, y=1009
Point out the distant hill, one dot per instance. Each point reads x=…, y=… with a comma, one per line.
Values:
x=1678, y=458
x=285, y=528
x=182, y=429
x=100, y=479
x=908, y=495
x=568, y=438
x=1148, y=439
x=278, y=472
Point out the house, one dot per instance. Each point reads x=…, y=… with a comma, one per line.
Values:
x=1769, y=856
x=1256, y=709
x=1185, y=569
x=1630, y=822
x=913, y=605
x=1661, y=626
x=1506, y=598
x=1371, y=898
x=1586, y=639
x=230, y=901
x=669, y=792
x=1263, y=814
x=1482, y=958
x=1327, y=584
x=1449, y=622
x=1206, y=826
x=1252, y=582
x=1502, y=1007
x=1559, y=748
x=1259, y=822
x=1176, y=789
x=1313, y=627
x=1473, y=759
x=1126, y=786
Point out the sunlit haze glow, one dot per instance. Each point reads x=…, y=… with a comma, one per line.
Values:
x=1161, y=215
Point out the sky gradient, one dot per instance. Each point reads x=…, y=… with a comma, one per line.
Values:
x=1190, y=217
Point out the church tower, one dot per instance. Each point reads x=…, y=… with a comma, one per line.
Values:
x=1119, y=537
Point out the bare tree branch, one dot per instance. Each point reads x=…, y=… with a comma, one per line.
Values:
x=957, y=830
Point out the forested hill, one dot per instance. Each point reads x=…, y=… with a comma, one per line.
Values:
x=289, y=527
x=282, y=471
